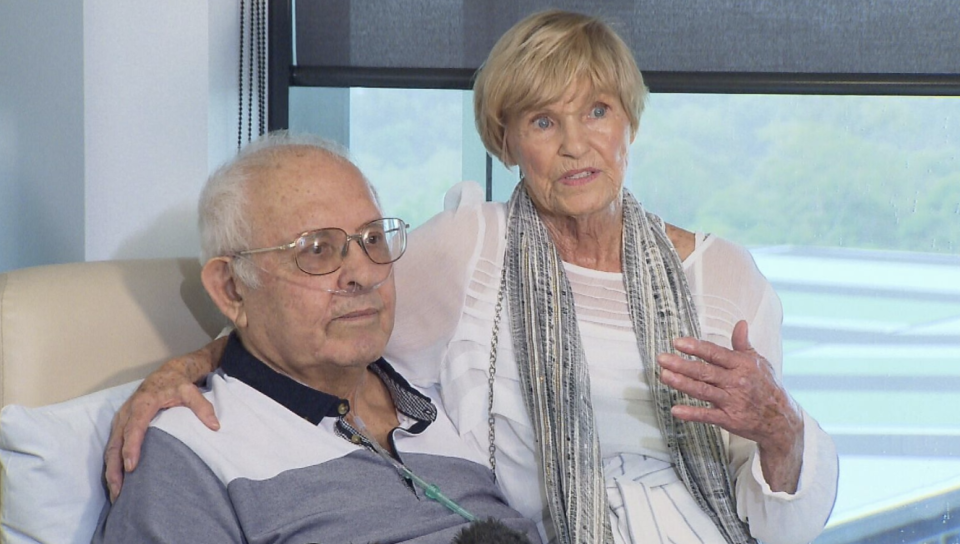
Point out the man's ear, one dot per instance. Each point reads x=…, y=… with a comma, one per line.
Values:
x=222, y=285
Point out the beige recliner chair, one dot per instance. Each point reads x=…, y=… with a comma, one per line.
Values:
x=71, y=329
x=68, y=331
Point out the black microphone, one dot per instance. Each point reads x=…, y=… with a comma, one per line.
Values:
x=489, y=531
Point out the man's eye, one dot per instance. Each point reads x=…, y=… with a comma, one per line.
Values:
x=374, y=238
x=319, y=248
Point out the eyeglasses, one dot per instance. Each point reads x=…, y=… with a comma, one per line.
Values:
x=322, y=251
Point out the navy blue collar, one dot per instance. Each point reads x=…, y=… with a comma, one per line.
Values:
x=309, y=403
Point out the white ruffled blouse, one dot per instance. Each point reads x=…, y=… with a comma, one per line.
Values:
x=447, y=286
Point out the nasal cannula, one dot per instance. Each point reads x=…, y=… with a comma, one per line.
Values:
x=432, y=491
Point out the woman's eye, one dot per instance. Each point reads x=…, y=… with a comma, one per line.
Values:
x=599, y=111
x=542, y=123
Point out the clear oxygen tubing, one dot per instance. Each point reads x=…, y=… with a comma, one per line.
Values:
x=432, y=491
x=356, y=290
x=353, y=290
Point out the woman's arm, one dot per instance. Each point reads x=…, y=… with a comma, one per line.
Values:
x=173, y=384
x=432, y=282
x=732, y=286
x=779, y=517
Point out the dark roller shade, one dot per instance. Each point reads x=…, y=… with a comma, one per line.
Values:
x=717, y=36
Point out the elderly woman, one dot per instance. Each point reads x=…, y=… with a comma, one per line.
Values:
x=579, y=342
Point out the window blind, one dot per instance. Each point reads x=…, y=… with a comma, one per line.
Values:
x=865, y=37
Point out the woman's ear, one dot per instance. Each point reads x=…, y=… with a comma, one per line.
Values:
x=222, y=286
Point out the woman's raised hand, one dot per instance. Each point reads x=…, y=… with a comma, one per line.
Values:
x=173, y=384
x=746, y=399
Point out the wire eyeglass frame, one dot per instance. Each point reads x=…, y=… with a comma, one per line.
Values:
x=387, y=225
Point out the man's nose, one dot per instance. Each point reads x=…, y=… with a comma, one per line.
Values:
x=357, y=271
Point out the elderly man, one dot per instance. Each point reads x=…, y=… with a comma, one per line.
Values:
x=316, y=430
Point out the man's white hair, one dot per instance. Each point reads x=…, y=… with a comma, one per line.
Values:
x=224, y=224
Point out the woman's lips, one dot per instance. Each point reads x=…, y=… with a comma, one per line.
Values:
x=576, y=178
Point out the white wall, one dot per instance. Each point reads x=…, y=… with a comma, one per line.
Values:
x=41, y=133
x=153, y=102
x=114, y=115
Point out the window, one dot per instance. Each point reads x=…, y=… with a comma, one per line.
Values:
x=851, y=207
x=413, y=144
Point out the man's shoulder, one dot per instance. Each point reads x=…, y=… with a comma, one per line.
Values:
x=173, y=495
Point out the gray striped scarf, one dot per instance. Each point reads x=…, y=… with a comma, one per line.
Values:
x=556, y=384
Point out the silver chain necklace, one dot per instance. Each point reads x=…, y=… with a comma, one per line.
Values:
x=492, y=372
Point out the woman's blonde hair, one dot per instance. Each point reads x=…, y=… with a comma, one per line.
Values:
x=539, y=59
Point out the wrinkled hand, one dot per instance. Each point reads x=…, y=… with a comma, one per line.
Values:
x=170, y=385
x=746, y=399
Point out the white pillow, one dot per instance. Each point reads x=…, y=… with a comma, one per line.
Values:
x=51, y=467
